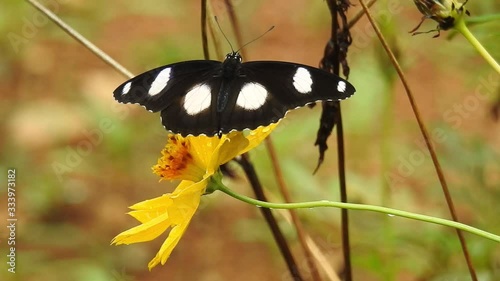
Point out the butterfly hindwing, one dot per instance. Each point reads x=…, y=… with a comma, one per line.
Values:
x=266, y=90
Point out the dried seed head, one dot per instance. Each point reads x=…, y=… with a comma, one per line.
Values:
x=444, y=12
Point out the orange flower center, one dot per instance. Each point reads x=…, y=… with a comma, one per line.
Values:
x=176, y=162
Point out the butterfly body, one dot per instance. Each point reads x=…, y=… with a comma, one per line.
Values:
x=213, y=98
x=230, y=71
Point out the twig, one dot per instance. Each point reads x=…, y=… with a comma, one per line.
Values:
x=346, y=244
x=78, y=37
x=204, y=36
x=212, y=27
x=250, y=171
x=425, y=134
x=319, y=255
x=360, y=14
x=295, y=219
x=334, y=66
x=271, y=221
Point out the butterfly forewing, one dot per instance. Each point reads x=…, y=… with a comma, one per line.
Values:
x=194, y=113
x=296, y=85
x=266, y=90
x=165, y=86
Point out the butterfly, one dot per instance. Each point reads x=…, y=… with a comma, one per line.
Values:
x=207, y=97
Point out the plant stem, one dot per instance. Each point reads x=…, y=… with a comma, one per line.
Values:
x=204, y=36
x=462, y=28
x=427, y=138
x=360, y=207
x=271, y=221
x=332, y=59
x=301, y=233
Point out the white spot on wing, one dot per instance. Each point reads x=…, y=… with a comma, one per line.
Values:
x=160, y=82
x=197, y=99
x=302, y=81
x=341, y=86
x=126, y=88
x=252, y=96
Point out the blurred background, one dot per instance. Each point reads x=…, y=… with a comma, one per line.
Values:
x=81, y=158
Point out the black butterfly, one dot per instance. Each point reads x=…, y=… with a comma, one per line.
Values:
x=213, y=98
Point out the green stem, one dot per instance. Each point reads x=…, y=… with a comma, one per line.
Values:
x=362, y=207
x=462, y=28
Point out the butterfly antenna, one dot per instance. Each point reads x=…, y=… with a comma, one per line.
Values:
x=223, y=34
x=255, y=39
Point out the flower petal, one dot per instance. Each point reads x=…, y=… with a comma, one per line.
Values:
x=187, y=202
x=237, y=143
x=258, y=135
x=152, y=208
x=144, y=232
x=156, y=218
x=203, y=147
x=229, y=147
x=168, y=246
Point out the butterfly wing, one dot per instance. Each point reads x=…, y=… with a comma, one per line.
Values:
x=266, y=90
x=183, y=92
x=254, y=94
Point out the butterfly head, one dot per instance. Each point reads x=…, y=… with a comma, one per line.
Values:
x=234, y=56
x=231, y=66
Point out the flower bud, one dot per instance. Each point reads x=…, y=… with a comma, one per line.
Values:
x=444, y=12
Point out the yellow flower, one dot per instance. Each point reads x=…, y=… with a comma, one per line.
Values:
x=193, y=160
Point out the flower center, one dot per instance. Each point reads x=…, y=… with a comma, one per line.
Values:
x=176, y=162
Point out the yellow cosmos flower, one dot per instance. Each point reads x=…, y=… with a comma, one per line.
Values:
x=193, y=160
